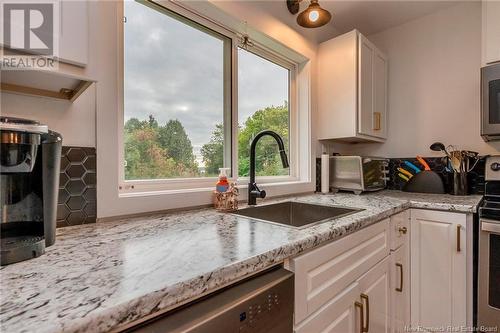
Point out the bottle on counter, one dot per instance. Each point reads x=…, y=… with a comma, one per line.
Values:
x=222, y=184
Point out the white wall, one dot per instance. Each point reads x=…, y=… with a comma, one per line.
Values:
x=74, y=121
x=434, y=84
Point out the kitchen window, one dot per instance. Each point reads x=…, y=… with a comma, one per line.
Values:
x=174, y=96
x=194, y=96
x=263, y=103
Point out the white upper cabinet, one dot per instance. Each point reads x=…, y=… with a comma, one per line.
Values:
x=70, y=78
x=352, y=90
x=490, y=31
x=73, y=34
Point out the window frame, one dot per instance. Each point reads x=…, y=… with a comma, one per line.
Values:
x=153, y=186
x=293, y=129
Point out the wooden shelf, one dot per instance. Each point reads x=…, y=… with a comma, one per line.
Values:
x=42, y=83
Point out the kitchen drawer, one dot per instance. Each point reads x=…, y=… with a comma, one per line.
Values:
x=324, y=272
x=400, y=229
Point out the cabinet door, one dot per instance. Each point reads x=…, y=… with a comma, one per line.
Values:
x=365, y=89
x=323, y=273
x=375, y=293
x=400, y=288
x=73, y=43
x=379, y=116
x=340, y=315
x=491, y=31
x=438, y=269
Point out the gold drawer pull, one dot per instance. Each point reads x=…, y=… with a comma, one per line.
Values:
x=367, y=299
x=378, y=117
x=361, y=315
x=403, y=230
x=400, y=266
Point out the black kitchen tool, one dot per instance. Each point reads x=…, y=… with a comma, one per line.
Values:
x=425, y=182
x=438, y=146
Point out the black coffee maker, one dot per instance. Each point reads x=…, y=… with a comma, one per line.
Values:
x=30, y=164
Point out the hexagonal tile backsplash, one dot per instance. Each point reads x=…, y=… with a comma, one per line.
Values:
x=77, y=187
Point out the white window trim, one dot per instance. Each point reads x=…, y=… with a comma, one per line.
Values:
x=109, y=106
x=175, y=184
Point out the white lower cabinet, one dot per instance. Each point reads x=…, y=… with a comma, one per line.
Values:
x=409, y=272
x=340, y=315
x=375, y=295
x=323, y=273
x=438, y=269
x=400, y=289
x=363, y=305
x=331, y=279
x=400, y=272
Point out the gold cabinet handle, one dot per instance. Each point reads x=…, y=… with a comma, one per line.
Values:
x=361, y=315
x=400, y=266
x=367, y=300
x=377, y=125
x=403, y=230
x=458, y=238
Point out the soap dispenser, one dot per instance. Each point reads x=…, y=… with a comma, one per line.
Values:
x=222, y=184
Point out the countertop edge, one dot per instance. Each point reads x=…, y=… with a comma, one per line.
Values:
x=118, y=316
x=216, y=280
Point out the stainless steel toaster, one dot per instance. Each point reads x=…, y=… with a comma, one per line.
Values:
x=358, y=173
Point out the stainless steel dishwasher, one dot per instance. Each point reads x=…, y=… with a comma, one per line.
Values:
x=257, y=305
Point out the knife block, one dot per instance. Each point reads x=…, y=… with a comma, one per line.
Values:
x=425, y=182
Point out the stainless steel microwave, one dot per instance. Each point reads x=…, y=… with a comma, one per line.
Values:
x=490, y=102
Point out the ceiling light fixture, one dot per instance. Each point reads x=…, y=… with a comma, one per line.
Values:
x=313, y=17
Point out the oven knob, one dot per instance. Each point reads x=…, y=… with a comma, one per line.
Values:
x=495, y=166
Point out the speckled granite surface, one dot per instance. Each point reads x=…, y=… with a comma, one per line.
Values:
x=462, y=204
x=103, y=276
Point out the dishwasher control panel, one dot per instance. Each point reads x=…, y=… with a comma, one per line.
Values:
x=260, y=312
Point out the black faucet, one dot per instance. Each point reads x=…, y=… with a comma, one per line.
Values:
x=253, y=190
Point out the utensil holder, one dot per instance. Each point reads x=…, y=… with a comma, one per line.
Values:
x=459, y=185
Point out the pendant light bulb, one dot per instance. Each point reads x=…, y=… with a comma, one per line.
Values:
x=314, y=16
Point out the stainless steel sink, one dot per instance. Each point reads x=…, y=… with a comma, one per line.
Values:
x=296, y=214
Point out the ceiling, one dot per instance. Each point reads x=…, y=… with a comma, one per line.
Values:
x=367, y=16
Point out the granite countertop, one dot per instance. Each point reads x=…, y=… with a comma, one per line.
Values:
x=102, y=276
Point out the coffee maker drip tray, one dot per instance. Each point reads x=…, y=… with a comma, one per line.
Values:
x=21, y=241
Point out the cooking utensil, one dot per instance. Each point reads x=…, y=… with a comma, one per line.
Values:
x=424, y=163
x=438, y=146
x=456, y=160
x=405, y=172
x=412, y=166
x=472, y=155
